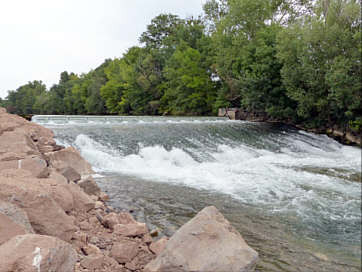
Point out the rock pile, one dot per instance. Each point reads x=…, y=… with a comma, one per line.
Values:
x=53, y=217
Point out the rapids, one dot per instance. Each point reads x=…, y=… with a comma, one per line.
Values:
x=294, y=196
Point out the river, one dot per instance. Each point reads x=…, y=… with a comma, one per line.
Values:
x=294, y=196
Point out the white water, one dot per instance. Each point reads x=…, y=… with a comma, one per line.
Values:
x=255, y=176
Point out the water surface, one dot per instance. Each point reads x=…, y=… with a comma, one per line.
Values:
x=294, y=196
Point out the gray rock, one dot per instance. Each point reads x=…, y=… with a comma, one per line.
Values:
x=89, y=186
x=70, y=174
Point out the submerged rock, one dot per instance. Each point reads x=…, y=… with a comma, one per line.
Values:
x=206, y=243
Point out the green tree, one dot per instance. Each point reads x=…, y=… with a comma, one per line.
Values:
x=189, y=88
x=321, y=63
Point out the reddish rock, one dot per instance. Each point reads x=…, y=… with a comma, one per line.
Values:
x=91, y=250
x=131, y=230
x=206, y=243
x=36, y=165
x=84, y=225
x=144, y=256
x=110, y=220
x=126, y=218
x=69, y=157
x=17, y=215
x=9, y=229
x=33, y=253
x=158, y=246
x=45, y=215
x=17, y=143
x=124, y=251
x=147, y=239
x=10, y=157
x=93, y=262
x=56, y=176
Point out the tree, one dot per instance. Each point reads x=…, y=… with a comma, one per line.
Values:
x=189, y=89
x=321, y=63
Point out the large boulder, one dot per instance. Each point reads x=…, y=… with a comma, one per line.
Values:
x=17, y=143
x=130, y=230
x=34, y=253
x=69, y=157
x=16, y=214
x=158, y=246
x=36, y=165
x=45, y=214
x=206, y=243
x=9, y=229
x=125, y=251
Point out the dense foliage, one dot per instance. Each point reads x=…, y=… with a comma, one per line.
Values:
x=294, y=60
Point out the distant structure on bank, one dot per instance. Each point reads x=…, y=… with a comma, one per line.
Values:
x=240, y=114
x=231, y=113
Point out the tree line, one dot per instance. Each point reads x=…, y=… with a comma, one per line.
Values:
x=297, y=61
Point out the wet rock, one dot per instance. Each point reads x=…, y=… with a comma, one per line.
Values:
x=32, y=252
x=154, y=232
x=89, y=186
x=206, y=243
x=158, y=246
x=103, y=196
x=70, y=174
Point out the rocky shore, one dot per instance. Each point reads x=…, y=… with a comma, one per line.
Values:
x=54, y=217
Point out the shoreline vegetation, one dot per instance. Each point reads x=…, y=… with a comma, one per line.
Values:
x=295, y=62
x=57, y=218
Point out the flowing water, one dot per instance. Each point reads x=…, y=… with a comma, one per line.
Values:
x=294, y=196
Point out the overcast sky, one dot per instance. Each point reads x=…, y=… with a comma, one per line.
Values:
x=41, y=38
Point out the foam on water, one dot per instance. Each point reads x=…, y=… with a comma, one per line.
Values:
x=255, y=176
x=304, y=177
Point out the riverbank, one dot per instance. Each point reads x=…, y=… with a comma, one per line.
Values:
x=346, y=137
x=57, y=218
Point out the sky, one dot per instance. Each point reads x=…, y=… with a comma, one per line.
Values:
x=39, y=39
